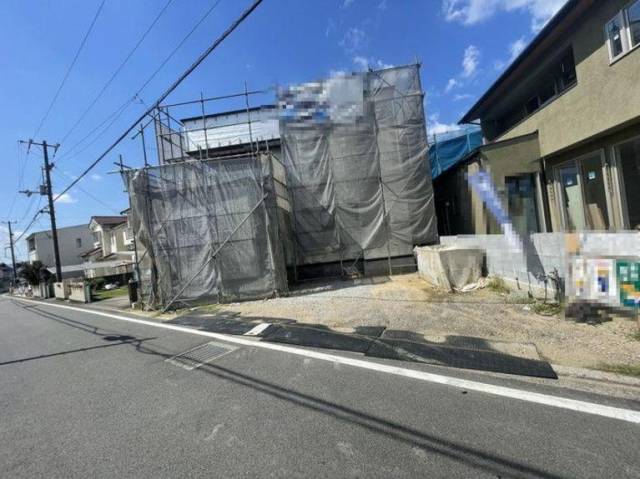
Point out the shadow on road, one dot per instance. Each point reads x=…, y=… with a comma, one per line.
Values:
x=472, y=457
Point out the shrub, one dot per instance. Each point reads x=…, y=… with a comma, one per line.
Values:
x=498, y=285
x=97, y=283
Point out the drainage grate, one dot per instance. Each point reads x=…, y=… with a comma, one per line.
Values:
x=203, y=354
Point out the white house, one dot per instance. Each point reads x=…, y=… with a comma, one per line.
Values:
x=73, y=242
x=112, y=247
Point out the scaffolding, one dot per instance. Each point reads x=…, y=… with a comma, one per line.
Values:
x=356, y=156
x=334, y=177
x=210, y=230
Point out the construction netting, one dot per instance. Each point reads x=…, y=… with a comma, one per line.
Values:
x=207, y=230
x=356, y=156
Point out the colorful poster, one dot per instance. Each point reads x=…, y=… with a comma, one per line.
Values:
x=628, y=276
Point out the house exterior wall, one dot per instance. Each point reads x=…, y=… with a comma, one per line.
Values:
x=605, y=145
x=111, y=240
x=604, y=97
x=70, y=252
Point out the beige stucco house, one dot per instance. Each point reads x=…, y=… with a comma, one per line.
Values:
x=562, y=128
x=112, y=248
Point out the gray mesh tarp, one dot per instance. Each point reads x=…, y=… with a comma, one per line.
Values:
x=356, y=156
x=210, y=224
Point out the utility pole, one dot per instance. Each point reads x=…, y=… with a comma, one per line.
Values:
x=13, y=255
x=49, y=192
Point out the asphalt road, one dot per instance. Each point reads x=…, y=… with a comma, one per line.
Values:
x=89, y=396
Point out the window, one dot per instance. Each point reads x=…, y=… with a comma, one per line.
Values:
x=628, y=159
x=617, y=45
x=633, y=20
x=583, y=199
x=623, y=30
x=555, y=79
x=78, y=242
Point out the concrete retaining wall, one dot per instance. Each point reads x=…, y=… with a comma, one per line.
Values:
x=544, y=254
x=80, y=292
x=61, y=290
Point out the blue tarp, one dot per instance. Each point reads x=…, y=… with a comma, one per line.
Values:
x=449, y=149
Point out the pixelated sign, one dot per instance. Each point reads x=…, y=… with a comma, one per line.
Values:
x=628, y=277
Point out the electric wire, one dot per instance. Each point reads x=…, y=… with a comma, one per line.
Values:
x=117, y=71
x=70, y=68
x=170, y=89
x=137, y=94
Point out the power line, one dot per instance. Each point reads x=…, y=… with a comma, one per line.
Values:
x=168, y=91
x=113, y=117
x=123, y=107
x=66, y=75
x=26, y=230
x=97, y=200
x=117, y=71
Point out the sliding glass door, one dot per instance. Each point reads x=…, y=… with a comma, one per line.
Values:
x=628, y=166
x=583, y=199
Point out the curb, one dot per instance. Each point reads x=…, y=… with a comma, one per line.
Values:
x=566, y=371
x=596, y=375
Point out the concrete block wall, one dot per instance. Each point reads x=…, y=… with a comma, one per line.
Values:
x=80, y=292
x=543, y=253
x=60, y=290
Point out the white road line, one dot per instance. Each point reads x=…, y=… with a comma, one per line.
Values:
x=257, y=329
x=544, y=399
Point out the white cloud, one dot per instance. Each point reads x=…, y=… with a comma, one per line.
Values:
x=470, y=61
x=65, y=198
x=381, y=65
x=451, y=84
x=516, y=48
x=347, y=3
x=361, y=62
x=338, y=73
x=364, y=63
x=96, y=177
x=462, y=96
x=435, y=127
x=470, y=12
x=353, y=40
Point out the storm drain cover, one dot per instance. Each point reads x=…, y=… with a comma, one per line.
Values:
x=203, y=354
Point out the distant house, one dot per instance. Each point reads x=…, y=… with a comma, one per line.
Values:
x=217, y=135
x=561, y=128
x=112, y=251
x=73, y=242
x=6, y=276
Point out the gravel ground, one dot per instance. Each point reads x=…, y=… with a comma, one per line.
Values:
x=406, y=302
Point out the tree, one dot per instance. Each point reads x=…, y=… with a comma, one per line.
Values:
x=33, y=273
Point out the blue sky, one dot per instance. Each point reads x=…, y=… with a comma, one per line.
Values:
x=463, y=46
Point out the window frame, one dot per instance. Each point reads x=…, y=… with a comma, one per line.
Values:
x=619, y=185
x=626, y=9
x=558, y=189
x=559, y=90
x=625, y=33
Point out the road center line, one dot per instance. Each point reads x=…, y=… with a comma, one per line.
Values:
x=513, y=393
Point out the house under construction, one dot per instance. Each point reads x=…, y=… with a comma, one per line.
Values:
x=334, y=180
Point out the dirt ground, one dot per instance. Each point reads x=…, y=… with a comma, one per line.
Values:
x=406, y=302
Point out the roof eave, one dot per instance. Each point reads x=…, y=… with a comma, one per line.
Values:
x=473, y=113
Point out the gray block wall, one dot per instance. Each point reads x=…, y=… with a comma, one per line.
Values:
x=543, y=253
